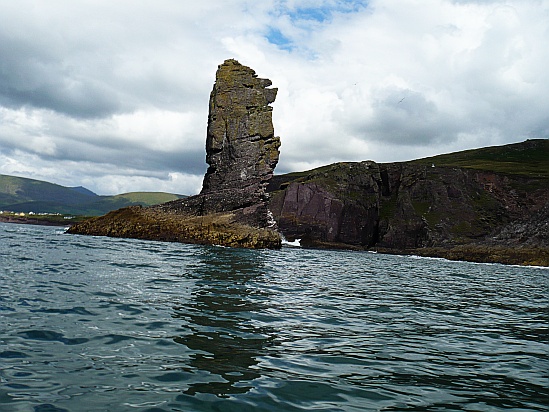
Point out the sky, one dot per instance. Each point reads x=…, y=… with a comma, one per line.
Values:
x=113, y=95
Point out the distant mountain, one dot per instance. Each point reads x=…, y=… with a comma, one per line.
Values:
x=83, y=190
x=20, y=194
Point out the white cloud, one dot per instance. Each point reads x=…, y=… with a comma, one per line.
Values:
x=179, y=183
x=114, y=95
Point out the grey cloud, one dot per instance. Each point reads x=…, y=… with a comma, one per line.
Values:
x=31, y=76
x=191, y=161
x=107, y=150
x=86, y=74
x=405, y=117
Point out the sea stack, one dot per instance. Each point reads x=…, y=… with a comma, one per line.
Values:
x=241, y=151
x=241, y=148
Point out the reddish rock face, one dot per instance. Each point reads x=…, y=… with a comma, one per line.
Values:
x=337, y=204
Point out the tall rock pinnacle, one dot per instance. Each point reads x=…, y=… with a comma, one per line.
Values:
x=241, y=148
x=241, y=151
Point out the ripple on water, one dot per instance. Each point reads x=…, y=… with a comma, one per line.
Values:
x=48, y=335
x=118, y=324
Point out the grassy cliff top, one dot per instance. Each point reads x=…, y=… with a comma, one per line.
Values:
x=529, y=158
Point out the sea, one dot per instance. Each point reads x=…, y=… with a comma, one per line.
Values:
x=104, y=324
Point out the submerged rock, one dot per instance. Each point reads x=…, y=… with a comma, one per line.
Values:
x=241, y=151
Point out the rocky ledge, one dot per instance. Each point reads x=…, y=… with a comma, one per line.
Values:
x=241, y=151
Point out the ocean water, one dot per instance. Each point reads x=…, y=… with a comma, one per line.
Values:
x=101, y=324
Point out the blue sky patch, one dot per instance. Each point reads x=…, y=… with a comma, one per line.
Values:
x=276, y=37
x=310, y=17
x=326, y=9
x=319, y=14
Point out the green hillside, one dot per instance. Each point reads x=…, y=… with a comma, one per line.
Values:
x=19, y=190
x=28, y=195
x=529, y=158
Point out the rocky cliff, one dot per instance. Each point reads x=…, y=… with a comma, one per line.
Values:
x=486, y=205
x=241, y=151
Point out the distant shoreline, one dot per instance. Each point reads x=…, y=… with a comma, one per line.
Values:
x=24, y=220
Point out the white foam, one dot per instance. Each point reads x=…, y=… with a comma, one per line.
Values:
x=295, y=243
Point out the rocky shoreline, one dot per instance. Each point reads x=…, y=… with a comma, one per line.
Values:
x=520, y=256
x=138, y=222
x=523, y=256
x=34, y=221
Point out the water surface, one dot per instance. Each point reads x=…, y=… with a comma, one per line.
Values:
x=98, y=324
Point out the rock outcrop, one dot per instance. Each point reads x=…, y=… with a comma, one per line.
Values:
x=241, y=151
x=485, y=205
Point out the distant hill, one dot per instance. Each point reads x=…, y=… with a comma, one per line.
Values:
x=20, y=194
x=83, y=190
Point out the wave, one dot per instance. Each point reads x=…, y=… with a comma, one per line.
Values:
x=295, y=243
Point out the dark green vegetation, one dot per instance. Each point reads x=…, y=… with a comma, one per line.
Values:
x=529, y=158
x=19, y=194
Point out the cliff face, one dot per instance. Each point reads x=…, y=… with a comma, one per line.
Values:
x=420, y=206
x=333, y=204
x=242, y=152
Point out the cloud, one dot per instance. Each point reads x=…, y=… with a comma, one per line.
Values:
x=114, y=95
x=463, y=71
x=110, y=179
